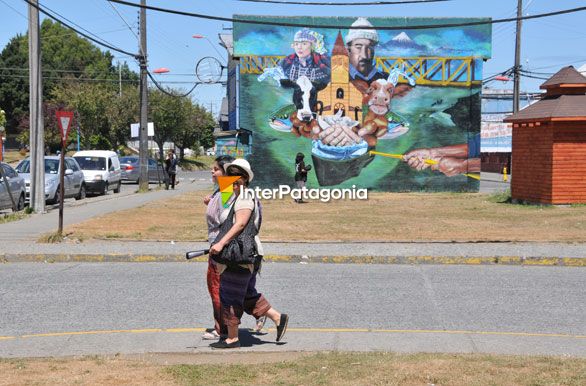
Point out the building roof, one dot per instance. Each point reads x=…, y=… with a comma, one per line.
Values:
x=563, y=106
x=339, y=46
x=566, y=76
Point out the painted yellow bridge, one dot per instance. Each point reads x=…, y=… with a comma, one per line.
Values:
x=425, y=70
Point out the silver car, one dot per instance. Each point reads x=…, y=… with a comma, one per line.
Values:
x=74, y=185
x=17, y=188
x=130, y=170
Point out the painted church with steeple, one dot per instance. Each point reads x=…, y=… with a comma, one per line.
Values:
x=341, y=93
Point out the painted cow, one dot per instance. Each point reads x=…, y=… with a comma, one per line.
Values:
x=304, y=98
x=378, y=99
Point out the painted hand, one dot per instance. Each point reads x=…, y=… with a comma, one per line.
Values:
x=339, y=135
x=416, y=158
x=452, y=166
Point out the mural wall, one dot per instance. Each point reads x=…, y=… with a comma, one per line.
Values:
x=386, y=109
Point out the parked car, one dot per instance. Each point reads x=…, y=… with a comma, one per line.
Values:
x=101, y=170
x=17, y=188
x=73, y=183
x=131, y=169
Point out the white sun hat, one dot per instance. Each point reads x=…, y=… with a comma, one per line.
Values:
x=368, y=32
x=242, y=164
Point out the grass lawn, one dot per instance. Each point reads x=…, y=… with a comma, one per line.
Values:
x=203, y=162
x=12, y=157
x=6, y=216
x=295, y=369
x=383, y=217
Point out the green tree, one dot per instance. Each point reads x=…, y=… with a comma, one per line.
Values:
x=65, y=57
x=197, y=130
x=168, y=115
x=2, y=118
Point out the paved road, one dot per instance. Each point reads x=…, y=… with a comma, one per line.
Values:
x=76, y=211
x=77, y=309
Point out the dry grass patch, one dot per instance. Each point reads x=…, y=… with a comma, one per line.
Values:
x=392, y=369
x=383, y=217
x=85, y=371
x=11, y=216
x=14, y=156
x=293, y=369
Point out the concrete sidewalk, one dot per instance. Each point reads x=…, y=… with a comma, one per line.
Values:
x=397, y=253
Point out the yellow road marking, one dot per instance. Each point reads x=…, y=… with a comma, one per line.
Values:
x=323, y=330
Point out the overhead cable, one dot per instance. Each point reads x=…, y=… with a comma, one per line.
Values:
x=329, y=26
x=101, y=43
x=285, y=2
x=169, y=93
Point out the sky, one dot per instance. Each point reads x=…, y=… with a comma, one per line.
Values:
x=547, y=44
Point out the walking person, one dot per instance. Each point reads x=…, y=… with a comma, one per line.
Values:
x=213, y=213
x=238, y=292
x=171, y=167
x=300, y=173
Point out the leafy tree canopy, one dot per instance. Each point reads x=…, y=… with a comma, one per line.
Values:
x=64, y=56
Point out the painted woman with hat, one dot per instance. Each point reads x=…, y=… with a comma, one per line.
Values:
x=308, y=60
x=238, y=283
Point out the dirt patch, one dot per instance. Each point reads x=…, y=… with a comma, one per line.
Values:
x=83, y=371
x=383, y=217
x=327, y=368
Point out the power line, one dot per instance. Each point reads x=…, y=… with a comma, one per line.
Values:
x=329, y=26
x=74, y=23
x=285, y=2
x=104, y=44
x=14, y=9
x=124, y=20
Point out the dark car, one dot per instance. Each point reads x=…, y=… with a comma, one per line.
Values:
x=131, y=169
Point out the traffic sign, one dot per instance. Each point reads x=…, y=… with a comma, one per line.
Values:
x=64, y=119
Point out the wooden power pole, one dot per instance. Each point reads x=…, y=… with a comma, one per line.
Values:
x=143, y=132
x=37, y=129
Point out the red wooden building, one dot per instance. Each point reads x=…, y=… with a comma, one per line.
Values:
x=549, y=143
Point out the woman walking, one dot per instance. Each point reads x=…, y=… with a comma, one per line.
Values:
x=213, y=214
x=238, y=282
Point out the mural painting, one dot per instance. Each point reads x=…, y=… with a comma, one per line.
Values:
x=387, y=109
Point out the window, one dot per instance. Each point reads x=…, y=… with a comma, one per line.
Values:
x=340, y=93
x=111, y=164
x=71, y=164
x=51, y=166
x=8, y=171
x=338, y=107
x=91, y=163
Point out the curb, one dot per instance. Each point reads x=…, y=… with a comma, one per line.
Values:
x=439, y=260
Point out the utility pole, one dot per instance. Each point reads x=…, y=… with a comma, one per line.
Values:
x=120, y=78
x=517, y=76
x=37, y=128
x=143, y=132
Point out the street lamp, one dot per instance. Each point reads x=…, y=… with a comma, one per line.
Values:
x=161, y=70
x=198, y=36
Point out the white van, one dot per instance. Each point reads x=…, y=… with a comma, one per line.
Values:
x=101, y=170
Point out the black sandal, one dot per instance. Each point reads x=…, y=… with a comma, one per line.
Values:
x=282, y=327
x=223, y=344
